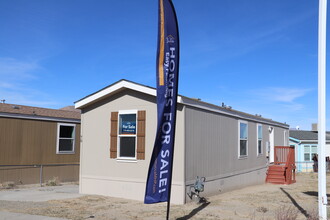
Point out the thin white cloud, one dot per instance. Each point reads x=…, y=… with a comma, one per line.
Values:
x=277, y=94
x=6, y=85
x=16, y=87
x=231, y=44
x=13, y=69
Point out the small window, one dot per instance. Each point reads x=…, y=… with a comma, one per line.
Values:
x=243, y=139
x=313, y=151
x=127, y=135
x=259, y=132
x=65, y=138
x=307, y=153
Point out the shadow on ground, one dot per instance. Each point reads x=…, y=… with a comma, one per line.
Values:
x=294, y=202
x=204, y=203
x=316, y=194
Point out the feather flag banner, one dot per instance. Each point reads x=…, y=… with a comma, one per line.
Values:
x=159, y=179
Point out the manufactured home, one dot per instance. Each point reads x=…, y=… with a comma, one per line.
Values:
x=305, y=143
x=231, y=149
x=38, y=144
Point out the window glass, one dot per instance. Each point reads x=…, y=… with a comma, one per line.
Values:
x=66, y=131
x=127, y=135
x=259, y=132
x=65, y=138
x=259, y=139
x=307, y=157
x=243, y=143
x=314, y=149
x=66, y=145
x=243, y=131
x=127, y=124
x=309, y=152
x=259, y=147
x=127, y=147
x=307, y=148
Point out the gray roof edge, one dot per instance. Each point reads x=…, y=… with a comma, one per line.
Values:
x=38, y=117
x=229, y=111
x=198, y=104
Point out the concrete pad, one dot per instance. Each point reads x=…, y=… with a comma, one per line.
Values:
x=21, y=216
x=41, y=194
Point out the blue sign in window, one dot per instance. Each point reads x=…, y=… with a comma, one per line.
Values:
x=127, y=124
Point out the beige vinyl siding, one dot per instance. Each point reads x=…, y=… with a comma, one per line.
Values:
x=125, y=178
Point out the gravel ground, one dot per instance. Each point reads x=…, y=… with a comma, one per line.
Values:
x=256, y=202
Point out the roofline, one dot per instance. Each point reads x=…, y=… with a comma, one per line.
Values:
x=310, y=141
x=306, y=141
x=214, y=108
x=38, y=117
x=109, y=90
x=125, y=84
x=295, y=140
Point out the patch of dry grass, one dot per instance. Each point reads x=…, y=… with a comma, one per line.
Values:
x=261, y=202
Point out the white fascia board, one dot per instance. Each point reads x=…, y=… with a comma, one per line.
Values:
x=295, y=140
x=118, y=86
x=111, y=89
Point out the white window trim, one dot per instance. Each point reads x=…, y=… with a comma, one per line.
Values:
x=58, y=139
x=310, y=151
x=262, y=151
x=128, y=159
x=239, y=139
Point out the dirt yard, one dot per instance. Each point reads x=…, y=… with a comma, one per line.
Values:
x=255, y=202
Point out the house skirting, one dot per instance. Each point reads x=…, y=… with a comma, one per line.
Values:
x=229, y=182
x=124, y=188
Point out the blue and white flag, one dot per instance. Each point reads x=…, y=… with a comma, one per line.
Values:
x=159, y=180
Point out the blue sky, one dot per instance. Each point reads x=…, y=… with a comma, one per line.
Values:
x=257, y=56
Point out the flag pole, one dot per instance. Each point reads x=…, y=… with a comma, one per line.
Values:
x=159, y=179
x=322, y=196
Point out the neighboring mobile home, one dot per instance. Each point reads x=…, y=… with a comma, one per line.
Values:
x=31, y=137
x=228, y=147
x=306, y=144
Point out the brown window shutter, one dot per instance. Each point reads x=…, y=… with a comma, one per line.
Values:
x=141, y=133
x=113, y=134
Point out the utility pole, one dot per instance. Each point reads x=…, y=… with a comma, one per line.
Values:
x=322, y=196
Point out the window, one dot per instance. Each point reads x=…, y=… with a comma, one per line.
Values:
x=127, y=134
x=243, y=139
x=309, y=152
x=65, y=138
x=259, y=133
